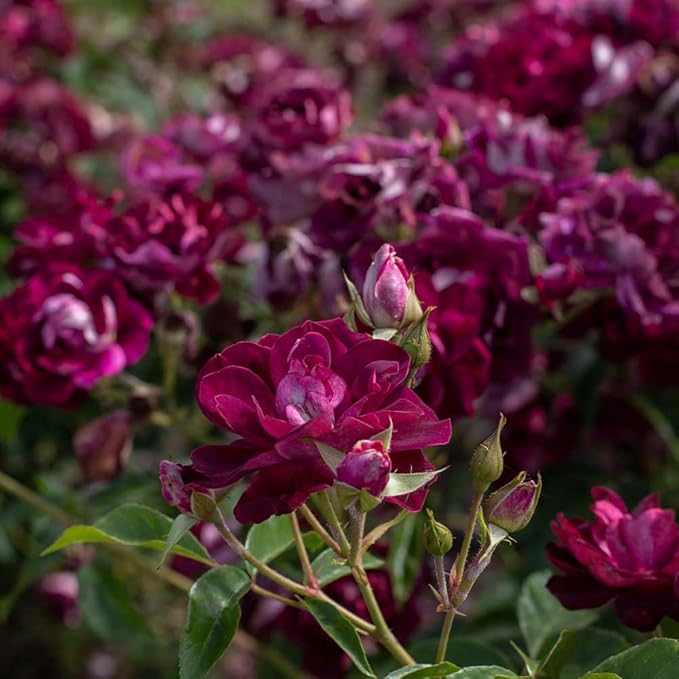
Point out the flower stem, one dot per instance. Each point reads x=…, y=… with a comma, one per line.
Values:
x=459, y=572
x=357, y=527
x=262, y=591
x=302, y=553
x=313, y=521
x=328, y=510
x=13, y=487
x=441, y=583
x=376, y=533
x=383, y=634
x=282, y=580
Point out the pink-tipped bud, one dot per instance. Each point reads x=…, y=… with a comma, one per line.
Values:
x=512, y=506
x=388, y=296
x=366, y=467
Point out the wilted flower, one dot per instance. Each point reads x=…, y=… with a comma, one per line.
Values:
x=59, y=594
x=173, y=242
x=316, y=382
x=630, y=558
x=64, y=330
x=366, y=467
x=104, y=445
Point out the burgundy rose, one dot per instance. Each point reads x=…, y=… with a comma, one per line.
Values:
x=326, y=13
x=58, y=593
x=316, y=382
x=76, y=236
x=366, y=466
x=153, y=164
x=174, y=242
x=307, y=109
x=64, y=330
x=629, y=558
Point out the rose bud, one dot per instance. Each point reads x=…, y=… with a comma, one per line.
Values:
x=438, y=540
x=103, y=446
x=512, y=506
x=388, y=295
x=366, y=467
x=487, y=463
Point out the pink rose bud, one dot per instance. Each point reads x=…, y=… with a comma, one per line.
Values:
x=512, y=506
x=103, y=446
x=366, y=467
x=387, y=294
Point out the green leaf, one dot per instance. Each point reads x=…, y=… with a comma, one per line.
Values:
x=404, y=559
x=269, y=539
x=384, y=333
x=592, y=646
x=421, y=671
x=402, y=484
x=182, y=524
x=133, y=525
x=342, y=632
x=331, y=456
x=463, y=651
x=654, y=659
x=105, y=605
x=482, y=672
x=553, y=664
x=212, y=619
x=328, y=567
x=602, y=675
x=542, y=617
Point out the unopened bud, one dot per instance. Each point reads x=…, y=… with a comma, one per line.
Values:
x=487, y=463
x=388, y=292
x=104, y=445
x=416, y=341
x=512, y=506
x=203, y=504
x=438, y=540
x=366, y=467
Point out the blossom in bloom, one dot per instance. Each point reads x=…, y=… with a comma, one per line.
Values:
x=480, y=327
x=366, y=467
x=326, y=13
x=153, y=164
x=172, y=242
x=307, y=108
x=64, y=330
x=631, y=558
x=317, y=382
x=75, y=236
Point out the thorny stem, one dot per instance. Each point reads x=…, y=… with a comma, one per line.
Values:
x=441, y=583
x=282, y=580
x=318, y=527
x=460, y=563
x=180, y=582
x=302, y=553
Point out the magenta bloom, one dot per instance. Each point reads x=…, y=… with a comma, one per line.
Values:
x=316, y=382
x=308, y=108
x=366, y=466
x=630, y=558
x=161, y=243
x=76, y=236
x=64, y=330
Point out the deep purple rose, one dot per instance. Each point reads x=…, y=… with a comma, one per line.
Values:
x=64, y=330
x=630, y=558
x=162, y=243
x=316, y=382
x=366, y=466
x=307, y=109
